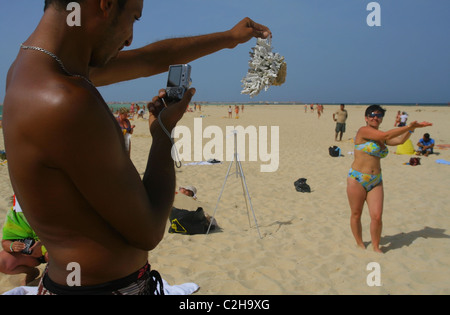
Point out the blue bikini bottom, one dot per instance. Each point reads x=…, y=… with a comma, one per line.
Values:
x=368, y=181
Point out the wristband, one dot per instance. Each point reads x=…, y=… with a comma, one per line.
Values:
x=10, y=247
x=410, y=131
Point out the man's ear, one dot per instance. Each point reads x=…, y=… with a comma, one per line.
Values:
x=106, y=6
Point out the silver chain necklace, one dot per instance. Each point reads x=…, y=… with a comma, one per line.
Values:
x=58, y=61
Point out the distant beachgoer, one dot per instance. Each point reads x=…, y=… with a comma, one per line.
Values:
x=364, y=181
x=230, y=112
x=132, y=109
x=127, y=128
x=190, y=191
x=236, y=109
x=397, y=118
x=403, y=119
x=426, y=145
x=340, y=117
x=141, y=112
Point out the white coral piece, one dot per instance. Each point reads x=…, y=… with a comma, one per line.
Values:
x=265, y=69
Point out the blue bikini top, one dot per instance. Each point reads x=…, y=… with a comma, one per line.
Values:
x=372, y=148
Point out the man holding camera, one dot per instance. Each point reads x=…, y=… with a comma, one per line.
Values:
x=68, y=165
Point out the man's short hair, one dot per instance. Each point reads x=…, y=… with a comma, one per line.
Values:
x=62, y=4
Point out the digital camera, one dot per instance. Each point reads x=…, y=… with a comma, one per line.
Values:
x=29, y=242
x=178, y=82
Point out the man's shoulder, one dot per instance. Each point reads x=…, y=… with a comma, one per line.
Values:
x=71, y=92
x=53, y=94
x=60, y=105
x=73, y=104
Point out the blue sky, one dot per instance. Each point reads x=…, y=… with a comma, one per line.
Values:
x=331, y=53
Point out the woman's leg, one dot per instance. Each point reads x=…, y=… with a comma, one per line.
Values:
x=375, y=203
x=356, y=196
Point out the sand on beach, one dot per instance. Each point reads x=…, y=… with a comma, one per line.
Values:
x=306, y=246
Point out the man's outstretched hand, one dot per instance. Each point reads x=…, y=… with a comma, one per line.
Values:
x=247, y=29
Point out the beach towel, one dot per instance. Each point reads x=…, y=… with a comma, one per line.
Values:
x=443, y=146
x=443, y=162
x=209, y=162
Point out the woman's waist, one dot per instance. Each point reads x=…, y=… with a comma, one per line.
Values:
x=372, y=169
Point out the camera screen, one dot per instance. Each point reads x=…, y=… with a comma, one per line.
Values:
x=174, y=76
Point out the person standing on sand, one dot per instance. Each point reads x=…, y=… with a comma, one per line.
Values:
x=126, y=127
x=340, y=117
x=397, y=118
x=364, y=181
x=76, y=184
x=403, y=119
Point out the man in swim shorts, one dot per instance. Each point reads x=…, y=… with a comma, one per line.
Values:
x=340, y=117
x=69, y=168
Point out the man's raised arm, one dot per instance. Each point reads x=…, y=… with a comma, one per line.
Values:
x=156, y=58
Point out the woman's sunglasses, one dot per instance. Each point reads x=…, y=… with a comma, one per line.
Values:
x=372, y=115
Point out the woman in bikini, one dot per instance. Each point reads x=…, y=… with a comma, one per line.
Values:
x=364, y=181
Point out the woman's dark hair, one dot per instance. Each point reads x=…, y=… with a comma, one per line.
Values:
x=63, y=3
x=374, y=108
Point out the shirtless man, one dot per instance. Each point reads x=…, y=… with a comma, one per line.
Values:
x=66, y=155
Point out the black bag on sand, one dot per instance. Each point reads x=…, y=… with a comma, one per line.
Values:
x=188, y=222
x=301, y=185
x=334, y=151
